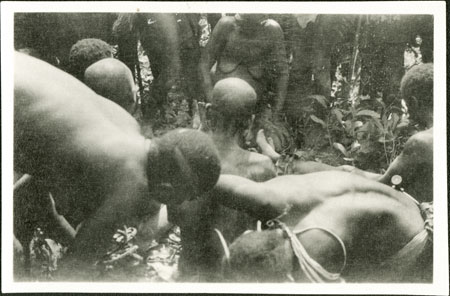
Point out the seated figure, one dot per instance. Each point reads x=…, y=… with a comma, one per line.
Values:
x=204, y=223
x=415, y=164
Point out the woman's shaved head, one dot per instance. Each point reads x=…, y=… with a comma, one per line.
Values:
x=185, y=159
x=113, y=80
x=86, y=52
x=416, y=89
x=263, y=256
x=233, y=98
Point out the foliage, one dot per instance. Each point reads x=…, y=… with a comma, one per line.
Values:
x=368, y=133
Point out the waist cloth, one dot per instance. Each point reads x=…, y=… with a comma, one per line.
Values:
x=403, y=259
x=313, y=270
x=409, y=254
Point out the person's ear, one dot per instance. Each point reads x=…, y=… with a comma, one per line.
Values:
x=208, y=110
x=248, y=134
x=155, y=160
x=413, y=104
x=189, y=178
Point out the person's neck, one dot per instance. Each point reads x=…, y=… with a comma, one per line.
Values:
x=226, y=140
x=429, y=122
x=421, y=186
x=426, y=121
x=248, y=28
x=152, y=151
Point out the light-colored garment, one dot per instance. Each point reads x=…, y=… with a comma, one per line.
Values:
x=310, y=267
x=403, y=261
x=411, y=251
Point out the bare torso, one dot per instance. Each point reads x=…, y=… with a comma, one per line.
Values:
x=202, y=249
x=87, y=149
x=373, y=220
x=250, y=55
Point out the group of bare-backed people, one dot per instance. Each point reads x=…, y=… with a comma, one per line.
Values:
x=89, y=170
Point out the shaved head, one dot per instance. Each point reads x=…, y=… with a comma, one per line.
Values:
x=416, y=89
x=264, y=256
x=86, y=52
x=186, y=159
x=113, y=80
x=233, y=97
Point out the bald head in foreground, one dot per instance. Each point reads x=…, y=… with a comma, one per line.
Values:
x=113, y=80
x=93, y=159
x=85, y=52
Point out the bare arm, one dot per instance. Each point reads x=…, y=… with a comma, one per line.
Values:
x=245, y=195
x=266, y=148
x=306, y=167
x=213, y=52
x=418, y=152
x=170, y=30
x=125, y=200
x=262, y=170
x=67, y=231
x=279, y=64
x=356, y=171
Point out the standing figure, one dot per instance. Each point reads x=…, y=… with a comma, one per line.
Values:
x=171, y=42
x=251, y=47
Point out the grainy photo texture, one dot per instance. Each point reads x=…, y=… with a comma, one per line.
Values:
x=223, y=147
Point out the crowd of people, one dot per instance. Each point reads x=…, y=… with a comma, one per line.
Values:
x=83, y=168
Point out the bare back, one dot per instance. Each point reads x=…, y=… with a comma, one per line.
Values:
x=64, y=113
x=373, y=220
x=372, y=226
x=86, y=148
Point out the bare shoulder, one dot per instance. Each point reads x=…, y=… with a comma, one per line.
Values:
x=270, y=23
x=226, y=22
x=273, y=27
x=117, y=115
x=423, y=138
x=51, y=106
x=261, y=167
x=420, y=143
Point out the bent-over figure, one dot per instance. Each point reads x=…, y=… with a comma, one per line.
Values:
x=90, y=154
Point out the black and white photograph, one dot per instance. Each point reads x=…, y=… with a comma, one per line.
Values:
x=224, y=147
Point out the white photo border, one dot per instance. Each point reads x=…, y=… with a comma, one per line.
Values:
x=436, y=8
